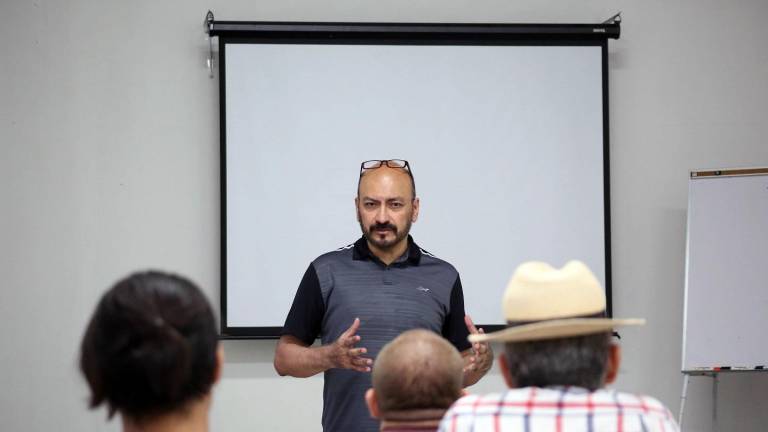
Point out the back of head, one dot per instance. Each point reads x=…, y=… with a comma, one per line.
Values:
x=150, y=346
x=557, y=333
x=579, y=361
x=417, y=370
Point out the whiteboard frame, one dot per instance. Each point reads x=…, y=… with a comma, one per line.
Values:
x=708, y=174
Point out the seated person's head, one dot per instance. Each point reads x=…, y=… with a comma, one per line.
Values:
x=417, y=373
x=589, y=361
x=151, y=349
x=557, y=333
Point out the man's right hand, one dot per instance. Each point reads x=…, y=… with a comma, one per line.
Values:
x=343, y=354
x=296, y=358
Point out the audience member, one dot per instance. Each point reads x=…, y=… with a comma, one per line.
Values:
x=558, y=357
x=416, y=377
x=151, y=354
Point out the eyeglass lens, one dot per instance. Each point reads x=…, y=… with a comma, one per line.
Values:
x=392, y=163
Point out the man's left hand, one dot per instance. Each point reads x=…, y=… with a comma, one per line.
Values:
x=481, y=356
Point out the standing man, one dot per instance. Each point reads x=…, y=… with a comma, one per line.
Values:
x=358, y=298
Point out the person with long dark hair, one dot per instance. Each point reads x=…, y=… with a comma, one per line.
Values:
x=151, y=354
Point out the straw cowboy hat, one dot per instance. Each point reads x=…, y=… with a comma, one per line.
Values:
x=542, y=302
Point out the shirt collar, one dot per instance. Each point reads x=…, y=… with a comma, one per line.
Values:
x=569, y=389
x=361, y=252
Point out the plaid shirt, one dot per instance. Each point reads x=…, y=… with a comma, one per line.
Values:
x=533, y=409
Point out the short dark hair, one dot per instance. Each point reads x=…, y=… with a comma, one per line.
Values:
x=572, y=361
x=150, y=346
x=417, y=370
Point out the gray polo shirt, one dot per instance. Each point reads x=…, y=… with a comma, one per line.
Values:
x=418, y=290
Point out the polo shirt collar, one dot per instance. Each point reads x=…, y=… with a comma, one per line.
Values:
x=361, y=252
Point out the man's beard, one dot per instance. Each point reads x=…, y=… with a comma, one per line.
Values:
x=385, y=244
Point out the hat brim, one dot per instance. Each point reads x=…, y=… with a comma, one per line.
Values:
x=552, y=329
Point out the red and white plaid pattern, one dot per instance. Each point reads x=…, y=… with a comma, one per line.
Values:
x=560, y=409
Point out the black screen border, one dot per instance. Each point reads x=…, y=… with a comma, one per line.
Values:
x=232, y=32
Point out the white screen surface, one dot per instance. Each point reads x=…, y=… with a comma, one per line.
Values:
x=505, y=144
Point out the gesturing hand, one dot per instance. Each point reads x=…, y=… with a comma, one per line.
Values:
x=482, y=354
x=343, y=354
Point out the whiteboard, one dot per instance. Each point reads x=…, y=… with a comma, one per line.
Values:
x=506, y=144
x=726, y=288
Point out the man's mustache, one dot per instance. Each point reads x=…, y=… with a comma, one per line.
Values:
x=384, y=226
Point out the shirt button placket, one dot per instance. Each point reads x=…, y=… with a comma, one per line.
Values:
x=386, y=279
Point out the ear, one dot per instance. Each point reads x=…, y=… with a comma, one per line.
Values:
x=357, y=208
x=219, y=363
x=612, y=367
x=504, y=367
x=373, y=403
x=415, y=210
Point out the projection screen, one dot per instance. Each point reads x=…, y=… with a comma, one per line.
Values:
x=507, y=143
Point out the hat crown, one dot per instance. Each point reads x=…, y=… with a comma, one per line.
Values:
x=537, y=291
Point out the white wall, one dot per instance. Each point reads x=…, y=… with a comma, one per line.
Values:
x=109, y=163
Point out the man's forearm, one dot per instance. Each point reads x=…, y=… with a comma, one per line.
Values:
x=294, y=357
x=299, y=361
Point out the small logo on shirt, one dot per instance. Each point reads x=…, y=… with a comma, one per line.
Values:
x=422, y=289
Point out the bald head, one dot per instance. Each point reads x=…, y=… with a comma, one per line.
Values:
x=398, y=179
x=417, y=370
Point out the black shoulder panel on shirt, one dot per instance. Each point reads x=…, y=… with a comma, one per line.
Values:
x=306, y=314
x=454, y=328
